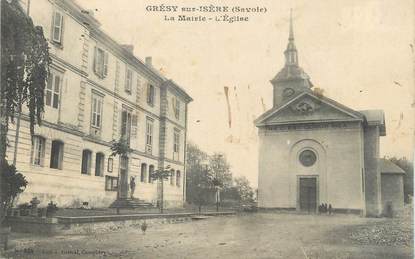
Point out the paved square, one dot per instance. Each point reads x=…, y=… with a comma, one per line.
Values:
x=261, y=235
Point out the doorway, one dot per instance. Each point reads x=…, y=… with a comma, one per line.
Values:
x=307, y=194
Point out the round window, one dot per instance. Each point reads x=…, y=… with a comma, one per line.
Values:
x=308, y=158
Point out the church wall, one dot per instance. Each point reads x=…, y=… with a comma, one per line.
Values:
x=372, y=175
x=338, y=167
x=392, y=193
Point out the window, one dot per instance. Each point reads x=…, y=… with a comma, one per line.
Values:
x=99, y=164
x=38, y=150
x=57, y=25
x=178, y=179
x=109, y=166
x=86, y=162
x=176, y=144
x=53, y=89
x=172, y=177
x=176, y=107
x=100, y=62
x=128, y=80
x=96, y=116
x=126, y=125
x=150, y=173
x=56, y=154
x=143, y=177
x=111, y=183
x=149, y=135
x=307, y=158
x=150, y=94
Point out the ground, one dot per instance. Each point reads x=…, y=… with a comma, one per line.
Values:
x=256, y=235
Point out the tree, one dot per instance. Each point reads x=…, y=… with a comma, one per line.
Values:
x=244, y=189
x=408, y=179
x=122, y=149
x=24, y=70
x=220, y=170
x=161, y=174
x=196, y=174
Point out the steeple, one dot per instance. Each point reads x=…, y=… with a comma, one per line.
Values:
x=291, y=80
x=291, y=57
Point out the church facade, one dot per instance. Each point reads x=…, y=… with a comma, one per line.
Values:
x=314, y=150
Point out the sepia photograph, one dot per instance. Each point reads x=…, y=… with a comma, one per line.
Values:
x=207, y=129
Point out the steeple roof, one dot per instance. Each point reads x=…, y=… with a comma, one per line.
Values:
x=291, y=70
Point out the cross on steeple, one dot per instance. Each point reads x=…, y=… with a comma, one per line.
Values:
x=291, y=57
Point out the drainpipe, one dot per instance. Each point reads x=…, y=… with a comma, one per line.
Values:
x=184, y=159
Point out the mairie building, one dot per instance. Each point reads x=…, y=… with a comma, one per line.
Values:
x=97, y=92
x=314, y=150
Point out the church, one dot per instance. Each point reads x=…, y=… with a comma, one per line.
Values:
x=314, y=150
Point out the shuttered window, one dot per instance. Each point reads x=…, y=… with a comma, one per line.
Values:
x=150, y=95
x=57, y=26
x=126, y=120
x=149, y=135
x=100, y=62
x=53, y=89
x=128, y=80
x=38, y=150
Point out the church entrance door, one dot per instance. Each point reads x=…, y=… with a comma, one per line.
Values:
x=308, y=194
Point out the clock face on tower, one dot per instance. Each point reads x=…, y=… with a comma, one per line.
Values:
x=288, y=92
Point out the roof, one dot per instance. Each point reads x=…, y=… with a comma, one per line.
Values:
x=292, y=72
x=375, y=117
x=388, y=167
x=95, y=31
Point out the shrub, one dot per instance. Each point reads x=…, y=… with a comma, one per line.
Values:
x=13, y=183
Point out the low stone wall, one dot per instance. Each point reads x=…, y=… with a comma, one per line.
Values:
x=97, y=224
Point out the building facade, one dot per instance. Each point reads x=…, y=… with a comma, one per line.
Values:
x=314, y=150
x=98, y=92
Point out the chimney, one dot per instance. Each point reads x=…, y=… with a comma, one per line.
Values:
x=128, y=47
x=149, y=61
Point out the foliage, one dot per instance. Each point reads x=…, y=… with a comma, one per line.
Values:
x=25, y=64
x=51, y=208
x=197, y=176
x=13, y=183
x=120, y=147
x=161, y=174
x=220, y=169
x=244, y=190
x=408, y=180
x=24, y=70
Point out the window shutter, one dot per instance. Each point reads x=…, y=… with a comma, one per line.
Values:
x=105, y=63
x=126, y=79
x=134, y=126
x=95, y=59
x=61, y=27
x=173, y=104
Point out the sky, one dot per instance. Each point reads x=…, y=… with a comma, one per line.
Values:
x=359, y=52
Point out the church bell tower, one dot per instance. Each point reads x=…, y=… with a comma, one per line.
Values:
x=291, y=80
